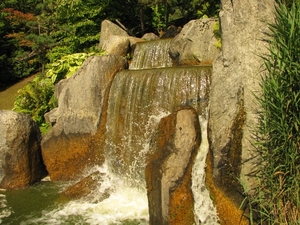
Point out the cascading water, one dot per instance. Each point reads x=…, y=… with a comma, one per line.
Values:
x=138, y=99
x=205, y=211
x=139, y=96
x=152, y=54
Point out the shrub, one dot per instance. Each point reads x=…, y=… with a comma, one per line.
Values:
x=36, y=99
x=65, y=67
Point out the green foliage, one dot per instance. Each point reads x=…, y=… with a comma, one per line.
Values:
x=78, y=24
x=58, y=52
x=202, y=12
x=34, y=33
x=165, y=12
x=26, y=6
x=208, y=8
x=277, y=198
x=127, y=12
x=14, y=46
x=36, y=99
x=159, y=20
x=41, y=43
x=217, y=34
x=66, y=66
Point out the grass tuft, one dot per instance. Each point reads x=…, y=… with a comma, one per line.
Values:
x=276, y=199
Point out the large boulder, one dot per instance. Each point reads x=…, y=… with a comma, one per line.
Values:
x=113, y=39
x=73, y=142
x=232, y=113
x=195, y=44
x=168, y=168
x=20, y=151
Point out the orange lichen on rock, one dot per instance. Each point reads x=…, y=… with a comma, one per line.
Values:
x=169, y=168
x=67, y=155
x=228, y=212
x=182, y=202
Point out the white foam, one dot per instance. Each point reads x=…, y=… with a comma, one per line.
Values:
x=124, y=203
x=205, y=211
x=4, y=210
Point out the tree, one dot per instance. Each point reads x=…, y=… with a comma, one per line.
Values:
x=25, y=6
x=14, y=36
x=6, y=50
x=36, y=32
x=166, y=12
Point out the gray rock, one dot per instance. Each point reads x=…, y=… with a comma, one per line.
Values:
x=150, y=37
x=113, y=39
x=20, y=152
x=170, y=32
x=51, y=117
x=168, y=168
x=235, y=77
x=195, y=44
x=80, y=98
x=70, y=146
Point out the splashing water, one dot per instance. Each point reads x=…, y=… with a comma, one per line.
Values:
x=4, y=210
x=124, y=205
x=205, y=211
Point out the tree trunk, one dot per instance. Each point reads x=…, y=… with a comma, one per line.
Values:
x=142, y=20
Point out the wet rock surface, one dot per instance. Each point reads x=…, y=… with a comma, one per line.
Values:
x=85, y=187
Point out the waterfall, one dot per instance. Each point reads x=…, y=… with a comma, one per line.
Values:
x=138, y=99
x=151, y=54
x=203, y=206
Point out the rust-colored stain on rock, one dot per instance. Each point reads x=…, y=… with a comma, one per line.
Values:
x=228, y=212
x=182, y=202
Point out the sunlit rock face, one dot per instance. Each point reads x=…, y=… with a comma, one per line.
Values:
x=114, y=40
x=73, y=143
x=20, y=151
x=235, y=78
x=195, y=44
x=168, y=168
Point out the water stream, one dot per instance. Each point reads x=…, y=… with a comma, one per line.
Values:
x=138, y=99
